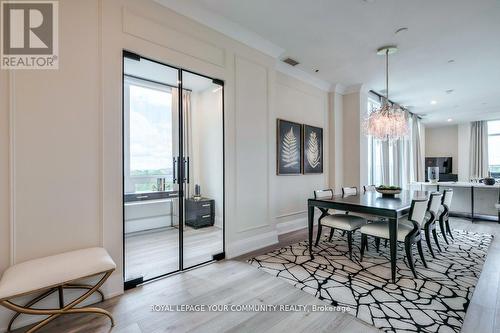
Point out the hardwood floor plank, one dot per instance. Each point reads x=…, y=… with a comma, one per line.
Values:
x=236, y=282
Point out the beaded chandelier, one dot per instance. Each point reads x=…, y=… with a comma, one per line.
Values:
x=389, y=121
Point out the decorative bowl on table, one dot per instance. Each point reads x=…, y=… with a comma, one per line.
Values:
x=388, y=191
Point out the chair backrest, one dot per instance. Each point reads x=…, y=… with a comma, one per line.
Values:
x=417, y=210
x=349, y=190
x=447, y=195
x=435, y=203
x=368, y=188
x=323, y=194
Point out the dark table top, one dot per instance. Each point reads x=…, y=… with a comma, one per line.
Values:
x=373, y=203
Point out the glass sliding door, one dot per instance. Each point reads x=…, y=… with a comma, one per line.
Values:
x=203, y=144
x=173, y=169
x=151, y=193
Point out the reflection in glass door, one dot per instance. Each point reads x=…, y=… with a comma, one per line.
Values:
x=204, y=157
x=173, y=169
x=151, y=193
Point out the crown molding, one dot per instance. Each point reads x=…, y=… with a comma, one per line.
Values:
x=224, y=26
x=237, y=32
x=338, y=88
x=356, y=88
x=303, y=76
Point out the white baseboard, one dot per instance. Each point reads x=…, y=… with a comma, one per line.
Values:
x=252, y=243
x=289, y=226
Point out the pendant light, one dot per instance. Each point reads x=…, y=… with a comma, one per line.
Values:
x=389, y=121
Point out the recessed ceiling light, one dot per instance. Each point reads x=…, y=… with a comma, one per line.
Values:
x=449, y=91
x=451, y=61
x=401, y=30
x=433, y=102
x=316, y=70
x=449, y=120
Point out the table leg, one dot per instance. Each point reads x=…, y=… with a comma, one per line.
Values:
x=310, y=224
x=393, y=240
x=472, y=203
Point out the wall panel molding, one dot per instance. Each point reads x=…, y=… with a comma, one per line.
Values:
x=160, y=34
x=12, y=166
x=252, y=192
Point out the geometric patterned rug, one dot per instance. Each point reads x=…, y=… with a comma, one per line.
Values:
x=434, y=302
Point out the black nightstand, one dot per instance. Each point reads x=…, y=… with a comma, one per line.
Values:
x=200, y=213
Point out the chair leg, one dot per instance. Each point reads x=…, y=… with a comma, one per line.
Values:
x=428, y=241
x=434, y=234
x=343, y=233
x=349, y=243
x=421, y=252
x=364, y=241
x=332, y=230
x=448, y=229
x=318, y=235
x=443, y=231
x=385, y=245
x=409, y=257
x=377, y=243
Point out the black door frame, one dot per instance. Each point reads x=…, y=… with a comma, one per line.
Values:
x=180, y=171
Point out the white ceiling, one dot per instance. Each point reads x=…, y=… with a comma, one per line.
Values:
x=340, y=38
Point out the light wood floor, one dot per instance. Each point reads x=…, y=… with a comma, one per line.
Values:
x=156, y=252
x=236, y=282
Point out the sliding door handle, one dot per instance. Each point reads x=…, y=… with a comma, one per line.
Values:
x=174, y=164
x=186, y=170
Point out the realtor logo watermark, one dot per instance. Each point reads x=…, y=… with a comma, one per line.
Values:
x=29, y=32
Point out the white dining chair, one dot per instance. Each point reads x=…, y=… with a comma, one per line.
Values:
x=444, y=214
x=408, y=232
x=345, y=222
x=369, y=188
x=430, y=224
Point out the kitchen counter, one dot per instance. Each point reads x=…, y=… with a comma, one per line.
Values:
x=472, y=200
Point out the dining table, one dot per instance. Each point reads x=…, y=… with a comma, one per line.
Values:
x=371, y=203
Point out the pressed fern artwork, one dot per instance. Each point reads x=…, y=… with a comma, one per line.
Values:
x=313, y=152
x=289, y=148
x=313, y=149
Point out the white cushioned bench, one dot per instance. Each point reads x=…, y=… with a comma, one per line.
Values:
x=55, y=273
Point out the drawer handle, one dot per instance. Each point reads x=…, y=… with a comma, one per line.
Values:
x=205, y=216
x=142, y=197
x=205, y=205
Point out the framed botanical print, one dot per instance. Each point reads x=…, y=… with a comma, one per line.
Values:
x=289, y=148
x=313, y=149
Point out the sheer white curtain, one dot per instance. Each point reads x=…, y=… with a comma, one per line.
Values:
x=479, y=149
x=396, y=162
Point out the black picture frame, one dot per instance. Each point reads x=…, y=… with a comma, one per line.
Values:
x=288, y=148
x=312, y=151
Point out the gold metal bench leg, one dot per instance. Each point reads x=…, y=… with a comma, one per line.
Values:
x=30, y=303
x=69, y=308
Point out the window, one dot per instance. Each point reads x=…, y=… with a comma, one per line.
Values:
x=493, y=151
x=148, y=136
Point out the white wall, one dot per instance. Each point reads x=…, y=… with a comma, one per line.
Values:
x=60, y=131
x=336, y=126
x=443, y=142
x=207, y=157
x=352, y=140
x=464, y=152
x=301, y=103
